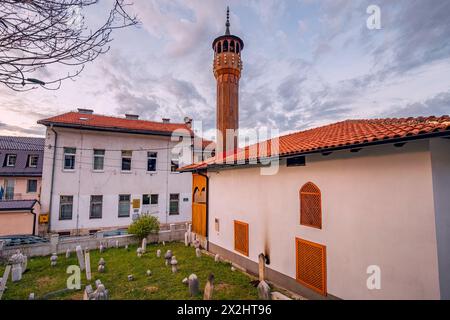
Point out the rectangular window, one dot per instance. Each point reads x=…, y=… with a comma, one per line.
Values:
x=33, y=160
x=65, y=207
x=154, y=199
x=99, y=159
x=174, y=207
x=96, y=207
x=11, y=160
x=126, y=160
x=32, y=186
x=9, y=189
x=151, y=161
x=175, y=162
x=241, y=237
x=124, y=205
x=145, y=199
x=311, y=265
x=69, y=158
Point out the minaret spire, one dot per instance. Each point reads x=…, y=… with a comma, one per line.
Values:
x=227, y=24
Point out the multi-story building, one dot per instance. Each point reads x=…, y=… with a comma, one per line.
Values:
x=21, y=161
x=101, y=172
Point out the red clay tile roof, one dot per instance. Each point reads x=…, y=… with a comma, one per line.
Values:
x=109, y=123
x=340, y=135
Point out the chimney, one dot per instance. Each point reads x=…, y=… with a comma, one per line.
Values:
x=165, y=120
x=132, y=116
x=85, y=111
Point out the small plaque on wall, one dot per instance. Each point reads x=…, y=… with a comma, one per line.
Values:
x=136, y=203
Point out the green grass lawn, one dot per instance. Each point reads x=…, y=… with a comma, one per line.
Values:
x=42, y=279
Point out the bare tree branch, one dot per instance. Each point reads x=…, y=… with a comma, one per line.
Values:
x=39, y=33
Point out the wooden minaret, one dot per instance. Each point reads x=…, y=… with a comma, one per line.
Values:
x=227, y=70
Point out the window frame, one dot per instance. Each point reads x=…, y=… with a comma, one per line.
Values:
x=65, y=203
x=101, y=156
x=121, y=201
x=173, y=201
x=152, y=157
x=247, y=236
x=302, y=203
x=151, y=199
x=10, y=156
x=69, y=154
x=28, y=185
x=174, y=163
x=30, y=157
x=124, y=156
x=96, y=203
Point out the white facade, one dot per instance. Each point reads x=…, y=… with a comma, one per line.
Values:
x=383, y=206
x=83, y=181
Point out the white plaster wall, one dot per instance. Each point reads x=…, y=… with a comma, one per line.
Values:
x=377, y=210
x=440, y=158
x=84, y=181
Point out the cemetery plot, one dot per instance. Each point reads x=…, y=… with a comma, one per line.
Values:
x=169, y=271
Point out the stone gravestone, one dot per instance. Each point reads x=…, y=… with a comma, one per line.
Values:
x=16, y=261
x=87, y=263
x=193, y=285
x=198, y=252
x=117, y=244
x=185, y=281
x=158, y=253
x=168, y=257
x=31, y=296
x=4, y=279
x=174, y=264
x=263, y=290
x=262, y=267
x=101, y=265
x=139, y=252
x=186, y=239
x=149, y=273
x=217, y=258
x=67, y=253
x=88, y=291
x=101, y=293
x=101, y=248
x=80, y=257
x=53, y=260
x=144, y=245
x=208, y=293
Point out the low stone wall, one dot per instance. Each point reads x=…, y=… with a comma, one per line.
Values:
x=60, y=245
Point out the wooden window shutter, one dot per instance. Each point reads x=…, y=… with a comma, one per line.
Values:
x=311, y=206
x=241, y=237
x=311, y=265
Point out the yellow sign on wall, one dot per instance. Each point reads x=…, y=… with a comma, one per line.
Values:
x=136, y=203
x=43, y=218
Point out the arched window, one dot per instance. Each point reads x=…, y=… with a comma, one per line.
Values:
x=237, y=47
x=310, y=206
x=232, y=46
x=196, y=195
x=225, y=46
x=219, y=47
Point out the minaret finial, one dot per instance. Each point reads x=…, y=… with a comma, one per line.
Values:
x=227, y=31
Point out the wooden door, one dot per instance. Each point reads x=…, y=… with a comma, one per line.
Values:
x=199, y=198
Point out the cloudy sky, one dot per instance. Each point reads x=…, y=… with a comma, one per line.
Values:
x=306, y=63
